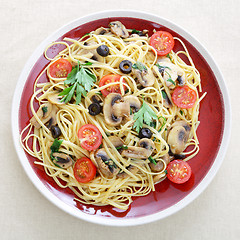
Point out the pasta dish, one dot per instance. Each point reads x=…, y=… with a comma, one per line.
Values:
x=116, y=115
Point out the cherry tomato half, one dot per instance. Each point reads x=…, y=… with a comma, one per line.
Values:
x=60, y=69
x=178, y=171
x=90, y=137
x=163, y=42
x=84, y=170
x=184, y=97
x=110, y=79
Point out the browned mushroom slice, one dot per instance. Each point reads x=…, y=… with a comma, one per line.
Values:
x=160, y=166
x=134, y=102
x=114, y=109
x=106, y=165
x=178, y=136
x=144, y=151
x=63, y=160
x=166, y=100
x=46, y=113
x=118, y=29
x=101, y=31
x=116, y=141
x=145, y=76
x=91, y=52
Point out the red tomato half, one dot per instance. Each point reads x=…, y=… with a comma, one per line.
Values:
x=90, y=137
x=163, y=42
x=110, y=79
x=178, y=171
x=60, y=69
x=184, y=97
x=84, y=170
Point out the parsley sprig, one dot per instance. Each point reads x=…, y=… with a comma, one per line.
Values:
x=140, y=66
x=55, y=148
x=144, y=115
x=80, y=81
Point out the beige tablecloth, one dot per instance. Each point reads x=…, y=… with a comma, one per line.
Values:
x=25, y=213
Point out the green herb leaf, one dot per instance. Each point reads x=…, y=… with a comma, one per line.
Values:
x=163, y=124
x=162, y=68
x=164, y=94
x=181, y=112
x=135, y=31
x=144, y=115
x=165, y=172
x=80, y=80
x=87, y=64
x=140, y=66
x=171, y=81
x=56, y=145
x=122, y=147
x=44, y=109
x=152, y=160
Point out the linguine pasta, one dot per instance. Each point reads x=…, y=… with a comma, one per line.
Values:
x=119, y=189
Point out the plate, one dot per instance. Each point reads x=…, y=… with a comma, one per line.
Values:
x=213, y=132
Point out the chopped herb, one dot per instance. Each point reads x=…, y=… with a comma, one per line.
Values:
x=44, y=109
x=162, y=68
x=99, y=93
x=135, y=31
x=181, y=112
x=164, y=94
x=110, y=163
x=168, y=56
x=87, y=34
x=55, y=148
x=101, y=145
x=153, y=124
x=171, y=81
x=163, y=124
x=81, y=81
x=126, y=91
x=131, y=112
x=122, y=147
x=165, y=172
x=140, y=66
x=152, y=160
x=87, y=64
x=144, y=115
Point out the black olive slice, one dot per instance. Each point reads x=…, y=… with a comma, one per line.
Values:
x=56, y=131
x=125, y=66
x=145, y=133
x=103, y=50
x=94, y=109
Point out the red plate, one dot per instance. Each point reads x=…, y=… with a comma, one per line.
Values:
x=209, y=132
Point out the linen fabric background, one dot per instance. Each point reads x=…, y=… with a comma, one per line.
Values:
x=25, y=213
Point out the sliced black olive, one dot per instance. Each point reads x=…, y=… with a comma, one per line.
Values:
x=56, y=131
x=145, y=133
x=103, y=50
x=125, y=66
x=94, y=109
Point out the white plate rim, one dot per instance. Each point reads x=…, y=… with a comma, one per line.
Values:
x=134, y=220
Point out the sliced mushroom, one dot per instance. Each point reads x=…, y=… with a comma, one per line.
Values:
x=178, y=136
x=116, y=141
x=114, y=109
x=166, y=100
x=47, y=114
x=134, y=102
x=101, y=31
x=160, y=166
x=130, y=168
x=106, y=165
x=54, y=98
x=158, y=178
x=118, y=29
x=145, y=77
x=91, y=52
x=63, y=160
x=144, y=151
x=171, y=71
